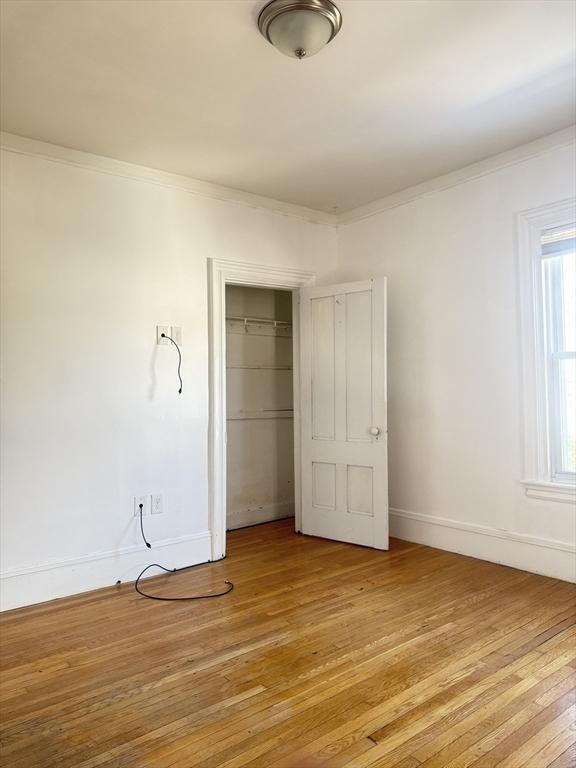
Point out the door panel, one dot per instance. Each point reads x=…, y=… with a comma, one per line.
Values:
x=343, y=412
x=358, y=365
x=323, y=357
x=360, y=491
x=323, y=485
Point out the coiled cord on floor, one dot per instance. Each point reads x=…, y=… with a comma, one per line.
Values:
x=229, y=588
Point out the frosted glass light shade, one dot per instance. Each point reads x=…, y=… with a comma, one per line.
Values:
x=300, y=33
x=299, y=28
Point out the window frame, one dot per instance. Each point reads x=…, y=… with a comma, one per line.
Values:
x=554, y=354
x=540, y=479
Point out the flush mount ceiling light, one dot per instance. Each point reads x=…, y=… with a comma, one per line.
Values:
x=299, y=28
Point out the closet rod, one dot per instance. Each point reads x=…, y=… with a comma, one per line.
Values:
x=260, y=320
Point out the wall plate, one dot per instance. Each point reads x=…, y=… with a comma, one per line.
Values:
x=160, y=329
x=145, y=501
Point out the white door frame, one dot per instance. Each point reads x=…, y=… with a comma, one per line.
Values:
x=222, y=272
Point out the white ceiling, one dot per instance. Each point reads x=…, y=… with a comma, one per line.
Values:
x=409, y=90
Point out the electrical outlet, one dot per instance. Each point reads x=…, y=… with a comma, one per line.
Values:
x=145, y=501
x=157, y=506
x=176, y=334
x=160, y=329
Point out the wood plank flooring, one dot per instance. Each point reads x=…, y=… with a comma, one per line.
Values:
x=324, y=654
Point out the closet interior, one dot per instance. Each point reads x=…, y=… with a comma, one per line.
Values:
x=259, y=403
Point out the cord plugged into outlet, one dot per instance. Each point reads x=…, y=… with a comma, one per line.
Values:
x=163, y=337
x=141, y=506
x=229, y=585
x=153, y=504
x=144, y=503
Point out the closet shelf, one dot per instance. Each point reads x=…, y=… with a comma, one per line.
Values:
x=258, y=326
x=260, y=320
x=265, y=413
x=274, y=333
x=259, y=367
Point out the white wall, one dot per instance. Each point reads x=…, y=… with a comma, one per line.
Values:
x=455, y=442
x=92, y=261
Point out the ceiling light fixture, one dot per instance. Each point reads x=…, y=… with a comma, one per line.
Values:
x=299, y=28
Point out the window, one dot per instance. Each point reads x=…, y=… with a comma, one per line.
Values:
x=547, y=242
x=559, y=305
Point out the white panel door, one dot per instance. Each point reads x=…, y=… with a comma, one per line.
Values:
x=343, y=434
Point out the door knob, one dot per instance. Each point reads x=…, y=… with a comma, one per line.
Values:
x=375, y=431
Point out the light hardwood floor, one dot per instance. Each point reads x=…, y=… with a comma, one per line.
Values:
x=324, y=651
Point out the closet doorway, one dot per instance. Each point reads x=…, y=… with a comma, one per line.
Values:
x=339, y=401
x=223, y=273
x=259, y=406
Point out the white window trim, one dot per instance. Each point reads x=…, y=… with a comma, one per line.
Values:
x=550, y=491
x=538, y=482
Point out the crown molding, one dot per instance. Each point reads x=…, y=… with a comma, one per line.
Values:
x=21, y=145
x=31, y=147
x=542, y=146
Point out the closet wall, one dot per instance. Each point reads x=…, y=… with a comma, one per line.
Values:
x=260, y=447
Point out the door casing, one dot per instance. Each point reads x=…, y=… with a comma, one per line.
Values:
x=222, y=272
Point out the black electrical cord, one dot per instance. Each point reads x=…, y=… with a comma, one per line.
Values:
x=176, y=570
x=172, y=570
x=165, y=336
x=142, y=527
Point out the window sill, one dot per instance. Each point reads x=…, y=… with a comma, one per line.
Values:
x=550, y=491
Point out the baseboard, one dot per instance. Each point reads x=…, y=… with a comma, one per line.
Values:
x=62, y=578
x=242, y=518
x=54, y=579
x=547, y=557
